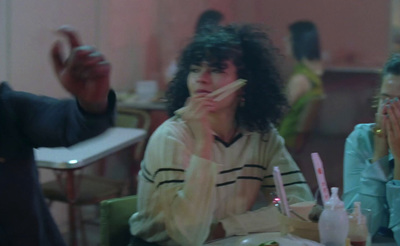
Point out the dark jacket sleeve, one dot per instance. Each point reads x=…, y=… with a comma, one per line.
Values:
x=49, y=122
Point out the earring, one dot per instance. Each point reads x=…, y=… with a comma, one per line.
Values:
x=242, y=102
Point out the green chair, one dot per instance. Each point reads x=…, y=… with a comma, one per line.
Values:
x=114, y=216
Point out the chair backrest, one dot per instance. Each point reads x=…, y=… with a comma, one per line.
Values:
x=114, y=216
x=129, y=117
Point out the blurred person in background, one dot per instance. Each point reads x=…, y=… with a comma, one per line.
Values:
x=207, y=18
x=305, y=83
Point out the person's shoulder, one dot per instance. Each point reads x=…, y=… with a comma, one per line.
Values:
x=300, y=83
x=173, y=126
x=7, y=94
x=361, y=131
x=363, y=128
x=299, y=78
x=4, y=87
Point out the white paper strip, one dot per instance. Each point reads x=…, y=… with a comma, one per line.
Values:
x=281, y=191
x=319, y=172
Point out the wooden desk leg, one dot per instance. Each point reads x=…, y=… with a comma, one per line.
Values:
x=134, y=170
x=71, y=207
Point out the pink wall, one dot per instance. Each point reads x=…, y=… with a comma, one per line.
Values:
x=353, y=33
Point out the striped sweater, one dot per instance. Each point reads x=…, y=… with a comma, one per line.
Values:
x=181, y=195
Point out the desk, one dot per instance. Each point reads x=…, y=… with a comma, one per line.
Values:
x=144, y=105
x=84, y=154
x=157, y=111
x=258, y=238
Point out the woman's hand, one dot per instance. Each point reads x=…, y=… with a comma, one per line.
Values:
x=392, y=125
x=196, y=116
x=380, y=140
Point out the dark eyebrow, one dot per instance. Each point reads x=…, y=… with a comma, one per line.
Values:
x=219, y=65
x=389, y=96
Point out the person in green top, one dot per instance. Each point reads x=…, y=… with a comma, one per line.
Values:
x=305, y=83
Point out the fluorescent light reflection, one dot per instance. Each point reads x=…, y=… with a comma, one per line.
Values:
x=72, y=162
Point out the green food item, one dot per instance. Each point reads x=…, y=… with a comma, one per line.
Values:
x=270, y=243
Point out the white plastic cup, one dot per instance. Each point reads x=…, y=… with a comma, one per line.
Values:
x=360, y=235
x=146, y=90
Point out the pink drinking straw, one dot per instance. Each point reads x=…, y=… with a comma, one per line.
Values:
x=281, y=191
x=319, y=172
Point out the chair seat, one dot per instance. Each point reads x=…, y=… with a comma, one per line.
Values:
x=91, y=189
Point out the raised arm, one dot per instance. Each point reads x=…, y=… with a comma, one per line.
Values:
x=392, y=128
x=365, y=180
x=50, y=122
x=84, y=73
x=298, y=85
x=176, y=189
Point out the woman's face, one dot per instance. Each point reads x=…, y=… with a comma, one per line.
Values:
x=390, y=89
x=204, y=79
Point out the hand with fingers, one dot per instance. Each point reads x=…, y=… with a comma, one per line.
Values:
x=196, y=116
x=84, y=73
x=381, y=147
x=391, y=122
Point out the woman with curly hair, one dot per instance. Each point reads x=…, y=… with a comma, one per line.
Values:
x=205, y=166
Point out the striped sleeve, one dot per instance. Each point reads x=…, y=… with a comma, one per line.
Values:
x=183, y=194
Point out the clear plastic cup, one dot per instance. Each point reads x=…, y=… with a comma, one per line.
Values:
x=146, y=90
x=360, y=228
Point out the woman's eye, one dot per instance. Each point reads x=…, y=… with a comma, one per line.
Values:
x=384, y=97
x=194, y=69
x=216, y=70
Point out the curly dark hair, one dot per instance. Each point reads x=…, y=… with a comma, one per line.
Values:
x=251, y=51
x=391, y=66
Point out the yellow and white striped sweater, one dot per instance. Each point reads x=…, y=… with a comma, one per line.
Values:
x=181, y=195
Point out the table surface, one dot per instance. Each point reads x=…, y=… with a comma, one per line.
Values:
x=88, y=151
x=143, y=105
x=258, y=238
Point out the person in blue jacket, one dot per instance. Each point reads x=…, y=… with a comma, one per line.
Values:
x=29, y=121
x=372, y=157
